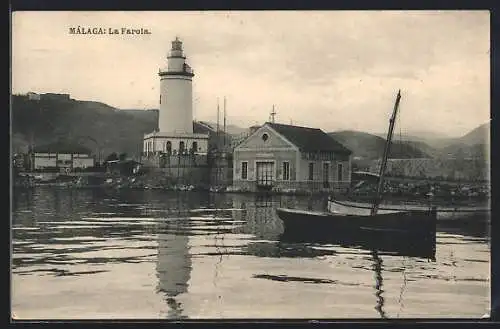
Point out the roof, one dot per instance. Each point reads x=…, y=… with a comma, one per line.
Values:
x=309, y=139
x=62, y=147
x=200, y=127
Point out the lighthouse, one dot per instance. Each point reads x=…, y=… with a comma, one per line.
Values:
x=176, y=93
x=175, y=142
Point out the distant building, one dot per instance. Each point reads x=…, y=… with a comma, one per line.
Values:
x=18, y=161
x=291, y=157
x=33, y=96
x=61, y=157
x=53, y=96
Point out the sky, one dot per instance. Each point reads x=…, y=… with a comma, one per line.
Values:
x=334, y=70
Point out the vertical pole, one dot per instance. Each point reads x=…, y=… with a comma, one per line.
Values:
x=218, y=114
x=224, y=121
x=273, y=114
x=386, y=155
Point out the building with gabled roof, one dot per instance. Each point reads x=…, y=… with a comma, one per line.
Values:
x=280, y=156
x=309, y=139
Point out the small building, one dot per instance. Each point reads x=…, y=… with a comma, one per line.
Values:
x=55, y=96
x=61, y=157
x=33, y=96
x=18, y=161
x=279, y=156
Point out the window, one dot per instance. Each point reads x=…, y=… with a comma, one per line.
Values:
x=168, y=148
x=181, y=147
x=194, y=149
x=265, y=137
x=244, y=170
x=326, y=174
x=326, y=171
x=311, y=170
x=286, y=170
x=339, y=172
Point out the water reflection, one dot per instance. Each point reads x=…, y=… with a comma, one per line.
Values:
x=191, y=250
x=377, y=268
x=174, y=269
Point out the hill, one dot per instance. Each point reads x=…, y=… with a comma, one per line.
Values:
x=87, y=123
x=230, y=129
x=370, y=146
x=473, y=144
x=477, y=136
x=91, y=124
x=435, y=141
x=97, y=126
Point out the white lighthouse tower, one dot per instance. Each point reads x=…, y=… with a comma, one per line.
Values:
x=175, y=136
x=176, y=88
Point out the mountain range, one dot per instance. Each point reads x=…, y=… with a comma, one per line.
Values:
x=99, y=126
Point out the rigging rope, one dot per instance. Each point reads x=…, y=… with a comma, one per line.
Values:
x=401, y=145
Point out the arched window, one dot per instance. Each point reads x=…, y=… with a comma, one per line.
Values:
x=181, y=147
x=168, y=148
x=194, y=148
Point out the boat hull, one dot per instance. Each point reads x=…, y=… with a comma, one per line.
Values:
x=363, y=209
x=410, y=232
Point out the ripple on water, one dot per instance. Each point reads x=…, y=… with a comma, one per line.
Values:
x=130, y=256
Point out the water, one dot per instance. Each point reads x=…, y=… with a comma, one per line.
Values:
x=91, y=254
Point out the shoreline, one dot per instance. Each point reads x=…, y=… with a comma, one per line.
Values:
x=318, y=195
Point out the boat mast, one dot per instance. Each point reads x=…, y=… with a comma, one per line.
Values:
x=218, y=121
x=387, y=148
x=224, y=135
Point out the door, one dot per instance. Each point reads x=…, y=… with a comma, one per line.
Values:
x=326, y=177
x=265, y=173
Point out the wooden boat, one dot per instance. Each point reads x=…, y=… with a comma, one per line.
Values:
x=396, y=222
x=387, y=225
x=443, y=212
x=411, y=242
x=364, y=209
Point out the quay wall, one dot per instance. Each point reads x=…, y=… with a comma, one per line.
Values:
x=290, y=186
x=51, y=175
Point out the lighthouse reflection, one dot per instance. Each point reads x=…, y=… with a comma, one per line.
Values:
x=173, y=269
x=174, y=263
